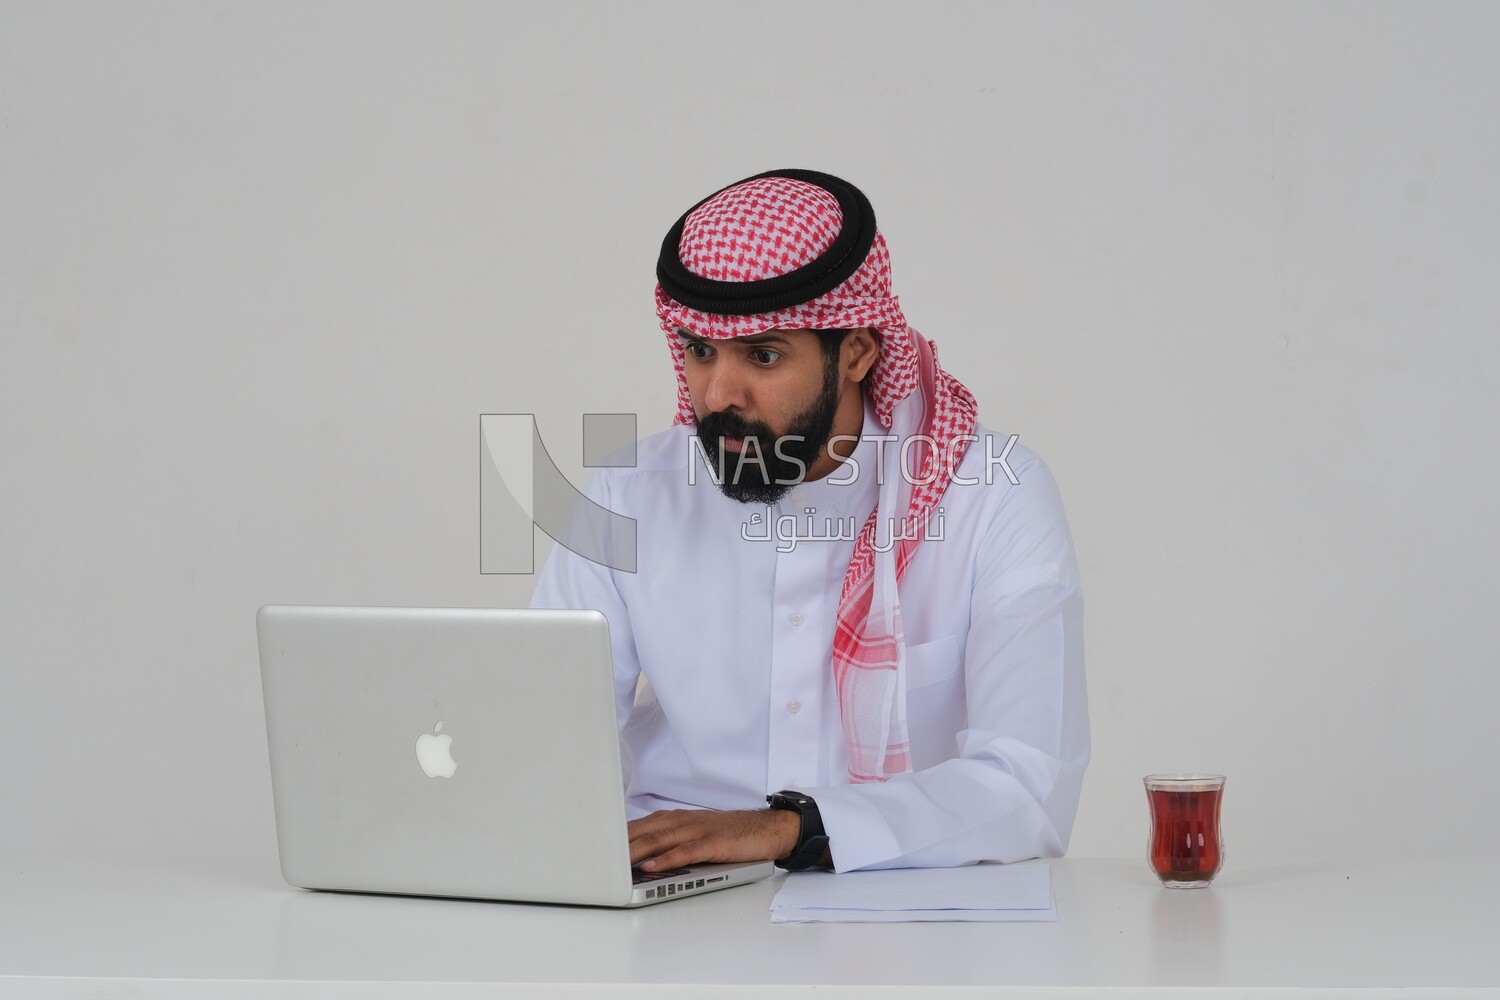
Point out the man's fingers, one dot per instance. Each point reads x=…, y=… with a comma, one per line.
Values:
x=671, y=834
x=655, y=818
x=677, y=837
x=681, y=856
x=648, y=843
x=662, y=819
x=652, y=847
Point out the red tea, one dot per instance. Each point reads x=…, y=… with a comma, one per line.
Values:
x=1185, y=845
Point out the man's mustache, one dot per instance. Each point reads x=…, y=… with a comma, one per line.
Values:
x=726, y=425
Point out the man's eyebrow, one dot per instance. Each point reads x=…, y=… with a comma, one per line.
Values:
x=754, y=340
x=764, y=338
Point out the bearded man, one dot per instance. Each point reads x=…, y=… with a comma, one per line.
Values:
x=897, y=665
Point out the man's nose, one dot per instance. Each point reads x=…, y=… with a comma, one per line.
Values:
x=725, y=388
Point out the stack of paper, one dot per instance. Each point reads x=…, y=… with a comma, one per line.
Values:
x=973, y=892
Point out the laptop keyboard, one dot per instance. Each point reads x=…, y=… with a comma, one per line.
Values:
x=638, y=877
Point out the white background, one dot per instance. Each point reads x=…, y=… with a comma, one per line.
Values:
x=1229, y=268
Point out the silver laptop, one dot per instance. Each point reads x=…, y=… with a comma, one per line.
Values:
x=461, y=752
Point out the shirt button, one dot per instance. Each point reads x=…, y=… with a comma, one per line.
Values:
x=796, y=619
x=794, y=706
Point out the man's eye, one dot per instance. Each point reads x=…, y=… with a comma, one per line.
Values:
x=765, y=356
x=699, y=351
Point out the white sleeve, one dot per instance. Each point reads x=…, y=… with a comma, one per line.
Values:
x=1012, y=791
x=569, y=580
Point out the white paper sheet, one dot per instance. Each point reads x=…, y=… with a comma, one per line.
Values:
x=972, y=892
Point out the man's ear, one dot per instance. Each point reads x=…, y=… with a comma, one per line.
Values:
x=859, y=351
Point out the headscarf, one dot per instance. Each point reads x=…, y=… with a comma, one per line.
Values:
x=795, y=249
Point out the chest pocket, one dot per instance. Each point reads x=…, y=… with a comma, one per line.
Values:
x=933, y=662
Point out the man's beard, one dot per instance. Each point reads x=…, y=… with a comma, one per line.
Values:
x=762, y=472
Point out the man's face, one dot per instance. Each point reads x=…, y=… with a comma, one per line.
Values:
x=765, y=407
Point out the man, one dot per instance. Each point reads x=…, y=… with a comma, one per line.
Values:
x=849, y=594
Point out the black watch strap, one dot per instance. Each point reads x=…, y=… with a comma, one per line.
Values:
x=811, y=840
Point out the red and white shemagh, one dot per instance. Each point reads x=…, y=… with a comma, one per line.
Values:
x=763, y=228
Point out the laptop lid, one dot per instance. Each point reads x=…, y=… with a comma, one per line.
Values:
x=467, y=752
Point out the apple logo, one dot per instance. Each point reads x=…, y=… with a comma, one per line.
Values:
x=434, y=755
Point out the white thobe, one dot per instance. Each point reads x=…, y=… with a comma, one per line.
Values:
x=734, y=637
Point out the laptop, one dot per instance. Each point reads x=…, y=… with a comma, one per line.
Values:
x=455, y=752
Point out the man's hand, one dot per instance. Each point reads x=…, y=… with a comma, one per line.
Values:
x=676, y=838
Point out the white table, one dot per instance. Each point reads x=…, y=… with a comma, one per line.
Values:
x=230, y=927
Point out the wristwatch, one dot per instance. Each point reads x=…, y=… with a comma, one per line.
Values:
x=811, y=841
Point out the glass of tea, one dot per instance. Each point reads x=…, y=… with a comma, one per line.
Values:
x=1185, y=847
